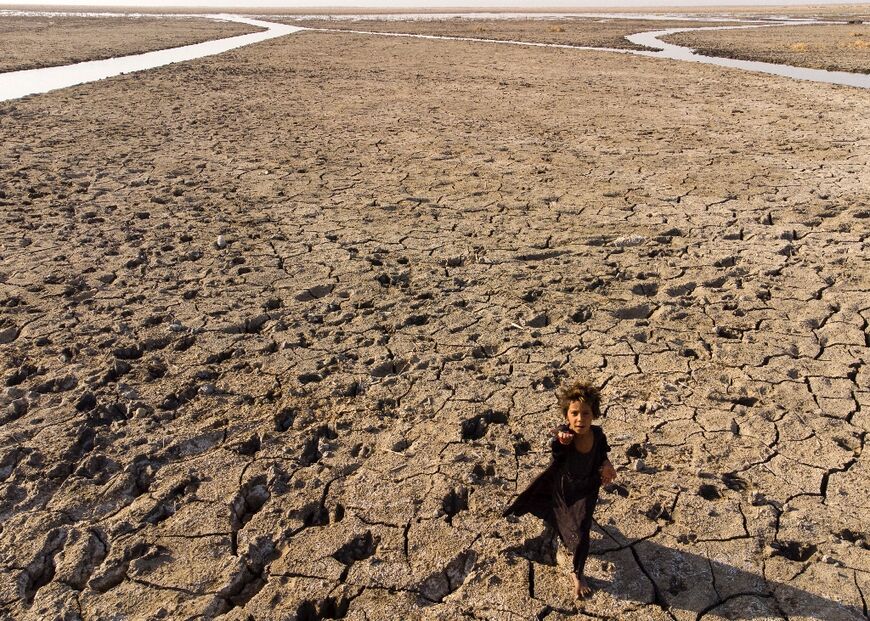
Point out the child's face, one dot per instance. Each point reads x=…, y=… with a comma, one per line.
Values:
x=579, y=417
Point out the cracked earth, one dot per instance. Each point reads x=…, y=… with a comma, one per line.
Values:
x=281, y=330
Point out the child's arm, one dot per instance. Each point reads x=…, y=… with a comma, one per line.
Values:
x=608, y=472
x=560, y=440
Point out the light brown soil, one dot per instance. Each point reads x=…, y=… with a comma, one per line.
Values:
x=579, y=31
x=325, y=415
x=843, y=47
x=834, y=12
x=31, y=42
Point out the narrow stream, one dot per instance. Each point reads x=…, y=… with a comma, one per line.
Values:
x=678, y=52
x=16, y=84
x=669, y=51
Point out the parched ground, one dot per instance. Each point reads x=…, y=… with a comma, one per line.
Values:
x=587, y=32
x=280, y=335
x=836, y=47
x=835, y=12
x=32, y=42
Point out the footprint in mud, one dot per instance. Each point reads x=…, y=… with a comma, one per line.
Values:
x=249, y=447
x=455, y=501
x=476, y=427
x=284, y=419
x=734, y=482
x=316, y=445
x=41, y=570
x=326, y=608
x=113, y=571
x=359, y=548
x=83, y=552
x=247, y=503
x=444, y=582
x=168, y=505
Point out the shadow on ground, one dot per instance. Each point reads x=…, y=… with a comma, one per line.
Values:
x=678, y=580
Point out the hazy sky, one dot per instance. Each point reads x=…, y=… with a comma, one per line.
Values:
x=561, y=5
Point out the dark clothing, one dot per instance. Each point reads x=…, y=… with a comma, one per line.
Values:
x=564, y=495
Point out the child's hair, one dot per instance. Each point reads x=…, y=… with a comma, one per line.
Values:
x=580, y=390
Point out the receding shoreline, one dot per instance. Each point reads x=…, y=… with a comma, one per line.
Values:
x=40, y=41
x=810, y=46
x=578, y=32
x=841, y=47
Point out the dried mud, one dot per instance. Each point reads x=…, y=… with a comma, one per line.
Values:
x=32, y=42
x=280, y=335
x=836, y=47
x=586, y=32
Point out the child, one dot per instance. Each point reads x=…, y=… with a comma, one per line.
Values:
x=564, y=495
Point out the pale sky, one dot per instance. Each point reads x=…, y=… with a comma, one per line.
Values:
x=557, y=5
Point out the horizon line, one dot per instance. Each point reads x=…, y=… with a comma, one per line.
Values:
x=404, y=6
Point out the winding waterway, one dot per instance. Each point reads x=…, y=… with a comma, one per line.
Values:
x=17, y=84
x=677, y=52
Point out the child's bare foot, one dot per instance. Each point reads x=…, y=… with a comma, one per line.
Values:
x=581, y=589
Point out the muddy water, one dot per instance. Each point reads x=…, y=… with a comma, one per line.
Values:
x=677, y=52
x=15, y=84
x=22, y=83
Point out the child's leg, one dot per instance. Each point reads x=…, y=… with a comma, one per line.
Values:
x=582, y=551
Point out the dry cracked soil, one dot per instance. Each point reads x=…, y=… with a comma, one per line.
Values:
x=280, y=331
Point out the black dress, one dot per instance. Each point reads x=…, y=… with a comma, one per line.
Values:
x=564, y=495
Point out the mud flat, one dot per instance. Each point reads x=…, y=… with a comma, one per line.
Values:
x=835, y=47
x=29, y=42
x=591, y=32
x=834, y=12
x=280, y=335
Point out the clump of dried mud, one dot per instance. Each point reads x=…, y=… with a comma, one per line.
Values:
x=280, y=335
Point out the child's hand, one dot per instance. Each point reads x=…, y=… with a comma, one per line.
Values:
x=564, y=437
x=608, y=473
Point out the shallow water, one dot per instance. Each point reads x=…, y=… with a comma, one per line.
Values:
x=16, y=84
x=496, y=16
x=678, y=52
x=669, y=51
x=564, y=46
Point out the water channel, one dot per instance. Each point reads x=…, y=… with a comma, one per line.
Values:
x=17, y=84
x=677, y=52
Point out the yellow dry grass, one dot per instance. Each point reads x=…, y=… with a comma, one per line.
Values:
x=859, y=45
